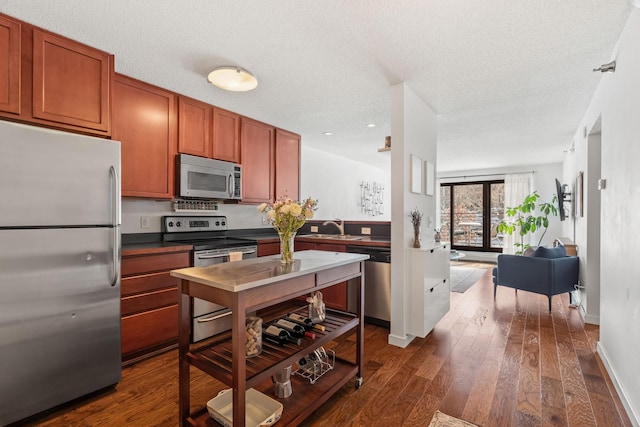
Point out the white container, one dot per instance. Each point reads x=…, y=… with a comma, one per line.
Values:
x=260, y=409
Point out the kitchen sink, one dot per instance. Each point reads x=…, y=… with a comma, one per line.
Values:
x=333, y=236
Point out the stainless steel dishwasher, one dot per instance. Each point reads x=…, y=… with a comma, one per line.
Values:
x=377, y=285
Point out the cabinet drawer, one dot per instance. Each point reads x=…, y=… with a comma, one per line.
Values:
x=151, y=263
x=148, y=282
x=148, y=329
x=148, y=301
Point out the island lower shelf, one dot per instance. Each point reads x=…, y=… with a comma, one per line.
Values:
x=306, y=397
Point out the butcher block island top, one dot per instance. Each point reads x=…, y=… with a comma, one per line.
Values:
x=259, y=283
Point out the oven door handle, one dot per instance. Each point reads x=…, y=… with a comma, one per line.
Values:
x=212, y=256
x=224, y=255
x=216, y=317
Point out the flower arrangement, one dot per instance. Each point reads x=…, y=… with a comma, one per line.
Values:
x=416, y=217
x=287, y=216
x=416, y=220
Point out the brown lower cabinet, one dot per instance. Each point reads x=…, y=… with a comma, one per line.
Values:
x=336, y=296
x=149, y=302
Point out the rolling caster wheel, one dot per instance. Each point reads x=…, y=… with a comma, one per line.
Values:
x=358, y=382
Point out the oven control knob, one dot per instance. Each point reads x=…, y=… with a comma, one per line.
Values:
x=178, y=224
x=170, y=224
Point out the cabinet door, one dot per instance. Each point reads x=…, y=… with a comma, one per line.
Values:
x=287, y=167
x=335, y=296
x=194, y=127
x=71, y=82
x=226, y=135
x=304, y=246
x=144, y=121
x=257, y=161
x=265, y=249
x=10, y=67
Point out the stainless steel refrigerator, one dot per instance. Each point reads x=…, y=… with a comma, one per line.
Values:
x=59, y=268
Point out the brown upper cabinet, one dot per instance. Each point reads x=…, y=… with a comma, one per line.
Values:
x=226, y=135
x=71, y=82
x=257, y=145
x=53, y=81
x=208, y=131
x=145, y=122
x=287, y=164
x=194, y=127
x=10, y=67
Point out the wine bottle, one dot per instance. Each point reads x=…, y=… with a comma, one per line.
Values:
x=294, y=329
x=301, y=320
x=278, y=336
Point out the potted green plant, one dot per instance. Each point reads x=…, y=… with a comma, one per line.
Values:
x=526, y=218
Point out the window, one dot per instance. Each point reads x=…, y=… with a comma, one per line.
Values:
x=470, y=213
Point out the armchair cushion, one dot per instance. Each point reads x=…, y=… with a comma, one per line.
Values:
x=557, y=252
x=542, y=275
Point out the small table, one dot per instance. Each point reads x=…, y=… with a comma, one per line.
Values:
x=455, y=255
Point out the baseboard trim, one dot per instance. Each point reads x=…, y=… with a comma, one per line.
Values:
x=591, y=319
x=604, y=356
x=401, y=342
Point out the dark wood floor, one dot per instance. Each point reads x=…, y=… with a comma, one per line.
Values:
x=503, y=363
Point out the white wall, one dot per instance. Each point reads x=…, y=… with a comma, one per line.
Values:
x=335, y=182
x=543, y=180
x=586, y=228
x=616, y=104
x=413, y=131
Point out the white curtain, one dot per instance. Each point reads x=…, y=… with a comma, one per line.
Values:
x=516, y=187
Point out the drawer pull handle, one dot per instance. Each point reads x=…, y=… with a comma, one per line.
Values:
x=216, y=317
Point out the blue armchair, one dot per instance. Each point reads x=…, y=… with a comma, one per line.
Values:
x=548, y=272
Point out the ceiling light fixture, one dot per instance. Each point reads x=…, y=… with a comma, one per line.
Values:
x=328, y=133
x=607, y=68
x=371, y=125
x=232, y=78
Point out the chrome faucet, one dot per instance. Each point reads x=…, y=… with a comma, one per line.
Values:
x=340, y=226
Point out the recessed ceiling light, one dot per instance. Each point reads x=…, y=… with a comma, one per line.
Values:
x=328, y=133
x=232, y=78
x=371, y=125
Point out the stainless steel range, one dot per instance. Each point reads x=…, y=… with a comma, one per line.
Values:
x=211, y=246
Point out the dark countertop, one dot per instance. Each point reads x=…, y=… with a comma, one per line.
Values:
x=148, y=243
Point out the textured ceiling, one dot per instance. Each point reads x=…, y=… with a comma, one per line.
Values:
x=509, y=79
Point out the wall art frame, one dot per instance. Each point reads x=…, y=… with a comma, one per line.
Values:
x=415, y=174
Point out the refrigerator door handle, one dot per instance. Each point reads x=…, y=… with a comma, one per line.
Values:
x=115, y=191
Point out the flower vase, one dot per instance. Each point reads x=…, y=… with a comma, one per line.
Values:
x=416, y=236
x=286, y=246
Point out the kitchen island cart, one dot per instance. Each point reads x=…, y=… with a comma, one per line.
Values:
x=255, y=284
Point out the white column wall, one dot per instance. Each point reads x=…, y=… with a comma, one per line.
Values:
x=413, y=131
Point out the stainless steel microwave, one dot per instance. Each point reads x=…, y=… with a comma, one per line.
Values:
x=204, y=178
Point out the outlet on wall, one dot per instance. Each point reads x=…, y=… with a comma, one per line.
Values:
x=365, y=230
x=144, y=222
